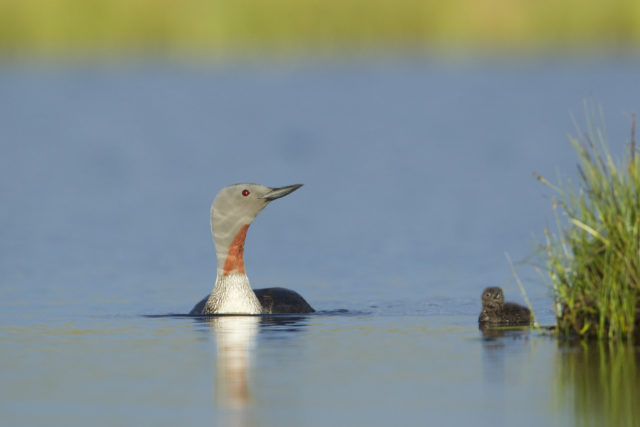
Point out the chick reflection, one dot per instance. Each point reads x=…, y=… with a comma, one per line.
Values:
x=499, y=345
x=235, y=341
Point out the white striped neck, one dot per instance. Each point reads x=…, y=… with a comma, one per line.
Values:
x=232, y=294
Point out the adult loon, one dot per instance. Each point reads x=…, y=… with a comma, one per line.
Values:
x=232, y=211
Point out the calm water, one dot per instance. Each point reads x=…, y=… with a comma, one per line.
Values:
x=418, y=179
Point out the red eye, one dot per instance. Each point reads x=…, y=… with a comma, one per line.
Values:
x=245, y=192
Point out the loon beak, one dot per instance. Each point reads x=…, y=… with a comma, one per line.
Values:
x=276, y=193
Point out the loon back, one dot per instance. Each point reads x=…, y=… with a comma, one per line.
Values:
x=272, y=300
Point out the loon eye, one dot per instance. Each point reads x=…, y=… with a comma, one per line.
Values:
x=245, y=192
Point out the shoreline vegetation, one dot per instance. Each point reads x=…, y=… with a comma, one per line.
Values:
x=77, y=27
x=593, y=260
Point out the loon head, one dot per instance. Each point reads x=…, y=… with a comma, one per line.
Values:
x=492, y=297
x=232, y=211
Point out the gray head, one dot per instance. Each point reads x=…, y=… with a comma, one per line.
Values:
x=492, y=297
x=233, y=210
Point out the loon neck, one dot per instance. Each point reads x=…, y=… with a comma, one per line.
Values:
x=230, y=252
x=232, y=294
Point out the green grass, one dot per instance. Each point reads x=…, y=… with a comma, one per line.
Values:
x=593, y=261
x=223, y=26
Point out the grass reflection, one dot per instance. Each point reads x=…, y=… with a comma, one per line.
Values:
x=600, y=381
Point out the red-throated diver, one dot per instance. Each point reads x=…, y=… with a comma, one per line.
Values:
x=497, y=312
x=232, y=211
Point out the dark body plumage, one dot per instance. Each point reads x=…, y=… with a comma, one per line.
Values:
x=273, y=301
x=496, y=312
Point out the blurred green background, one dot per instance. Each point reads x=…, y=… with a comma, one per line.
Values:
x=77, y=27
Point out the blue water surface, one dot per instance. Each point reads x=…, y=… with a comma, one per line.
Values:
x=418, y=179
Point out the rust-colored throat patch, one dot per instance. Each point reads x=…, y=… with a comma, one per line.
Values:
x=235, y=257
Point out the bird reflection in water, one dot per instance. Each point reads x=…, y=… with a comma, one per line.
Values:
x=235, y=342
x=500, y=345
x=236, y=345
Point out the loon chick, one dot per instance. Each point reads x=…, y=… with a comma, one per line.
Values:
x=499, y=313
x=232, y=211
